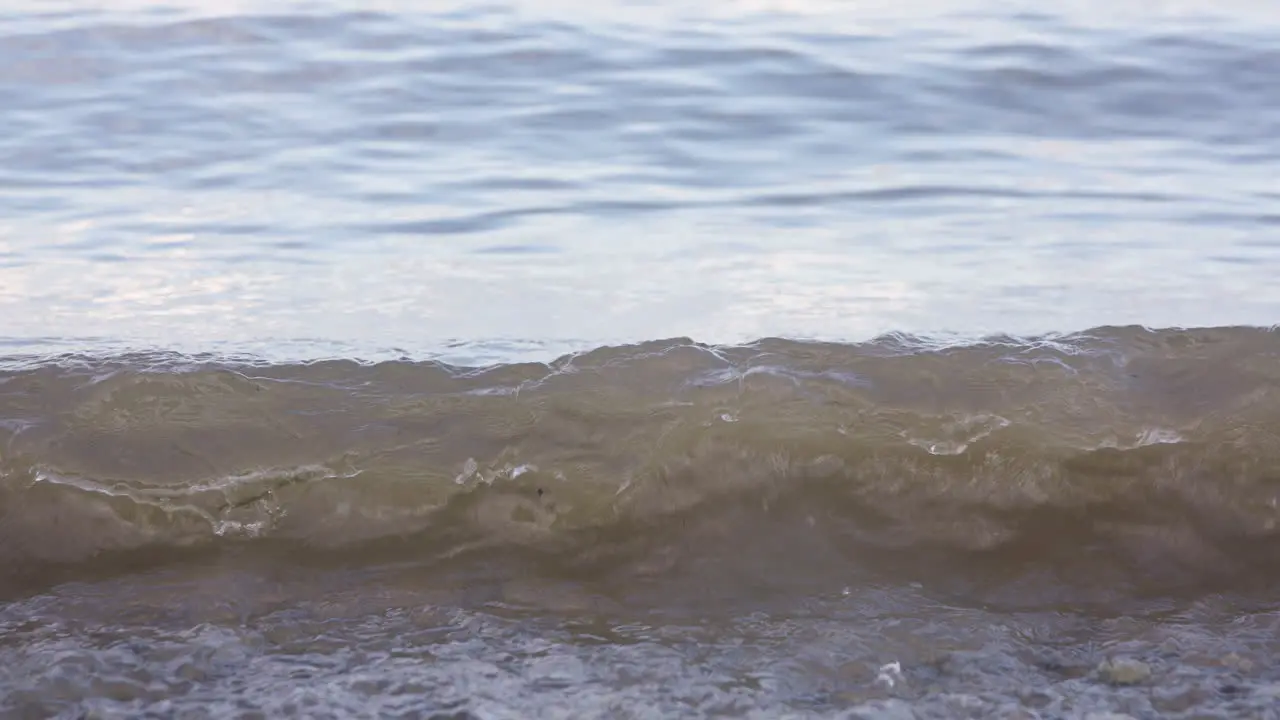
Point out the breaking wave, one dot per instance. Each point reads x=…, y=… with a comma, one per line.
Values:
x=1111, y=463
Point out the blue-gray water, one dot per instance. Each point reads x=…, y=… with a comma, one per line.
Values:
x=538, y=504
x=318, y=179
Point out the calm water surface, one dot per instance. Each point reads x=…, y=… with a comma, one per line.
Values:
x=337, y=379
x=392, y=177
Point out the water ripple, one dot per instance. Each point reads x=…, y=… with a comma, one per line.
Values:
x=999, y=169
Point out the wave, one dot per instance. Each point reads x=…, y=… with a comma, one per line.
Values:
x=1119, y=460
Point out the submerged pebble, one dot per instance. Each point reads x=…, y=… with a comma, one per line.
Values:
x=1124, y=671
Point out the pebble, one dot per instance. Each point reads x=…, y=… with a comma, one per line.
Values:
x=1177, y=699
x=883, y=710
x=1124, y=671
x=1235, y=662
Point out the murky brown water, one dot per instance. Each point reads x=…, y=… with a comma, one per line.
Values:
x=669, y=528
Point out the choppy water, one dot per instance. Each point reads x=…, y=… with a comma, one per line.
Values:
x=670, y=529
x=334, y=378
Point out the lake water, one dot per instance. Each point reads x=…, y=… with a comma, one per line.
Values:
x=755, y=358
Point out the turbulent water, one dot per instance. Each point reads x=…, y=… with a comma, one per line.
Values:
x=668, y=527
x=380, y=361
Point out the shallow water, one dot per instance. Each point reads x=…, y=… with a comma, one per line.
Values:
x=780, y=528
x=338, y=377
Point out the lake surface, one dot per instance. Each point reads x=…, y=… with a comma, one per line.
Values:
x=762, y=358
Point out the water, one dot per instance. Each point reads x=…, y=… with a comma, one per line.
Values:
x=743, y=359
x=393, y=179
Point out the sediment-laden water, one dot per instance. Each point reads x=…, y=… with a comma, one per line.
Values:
x=774, y=529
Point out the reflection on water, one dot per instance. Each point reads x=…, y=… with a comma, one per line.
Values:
x=560, y=173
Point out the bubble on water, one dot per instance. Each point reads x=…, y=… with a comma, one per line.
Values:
x=890, y=674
